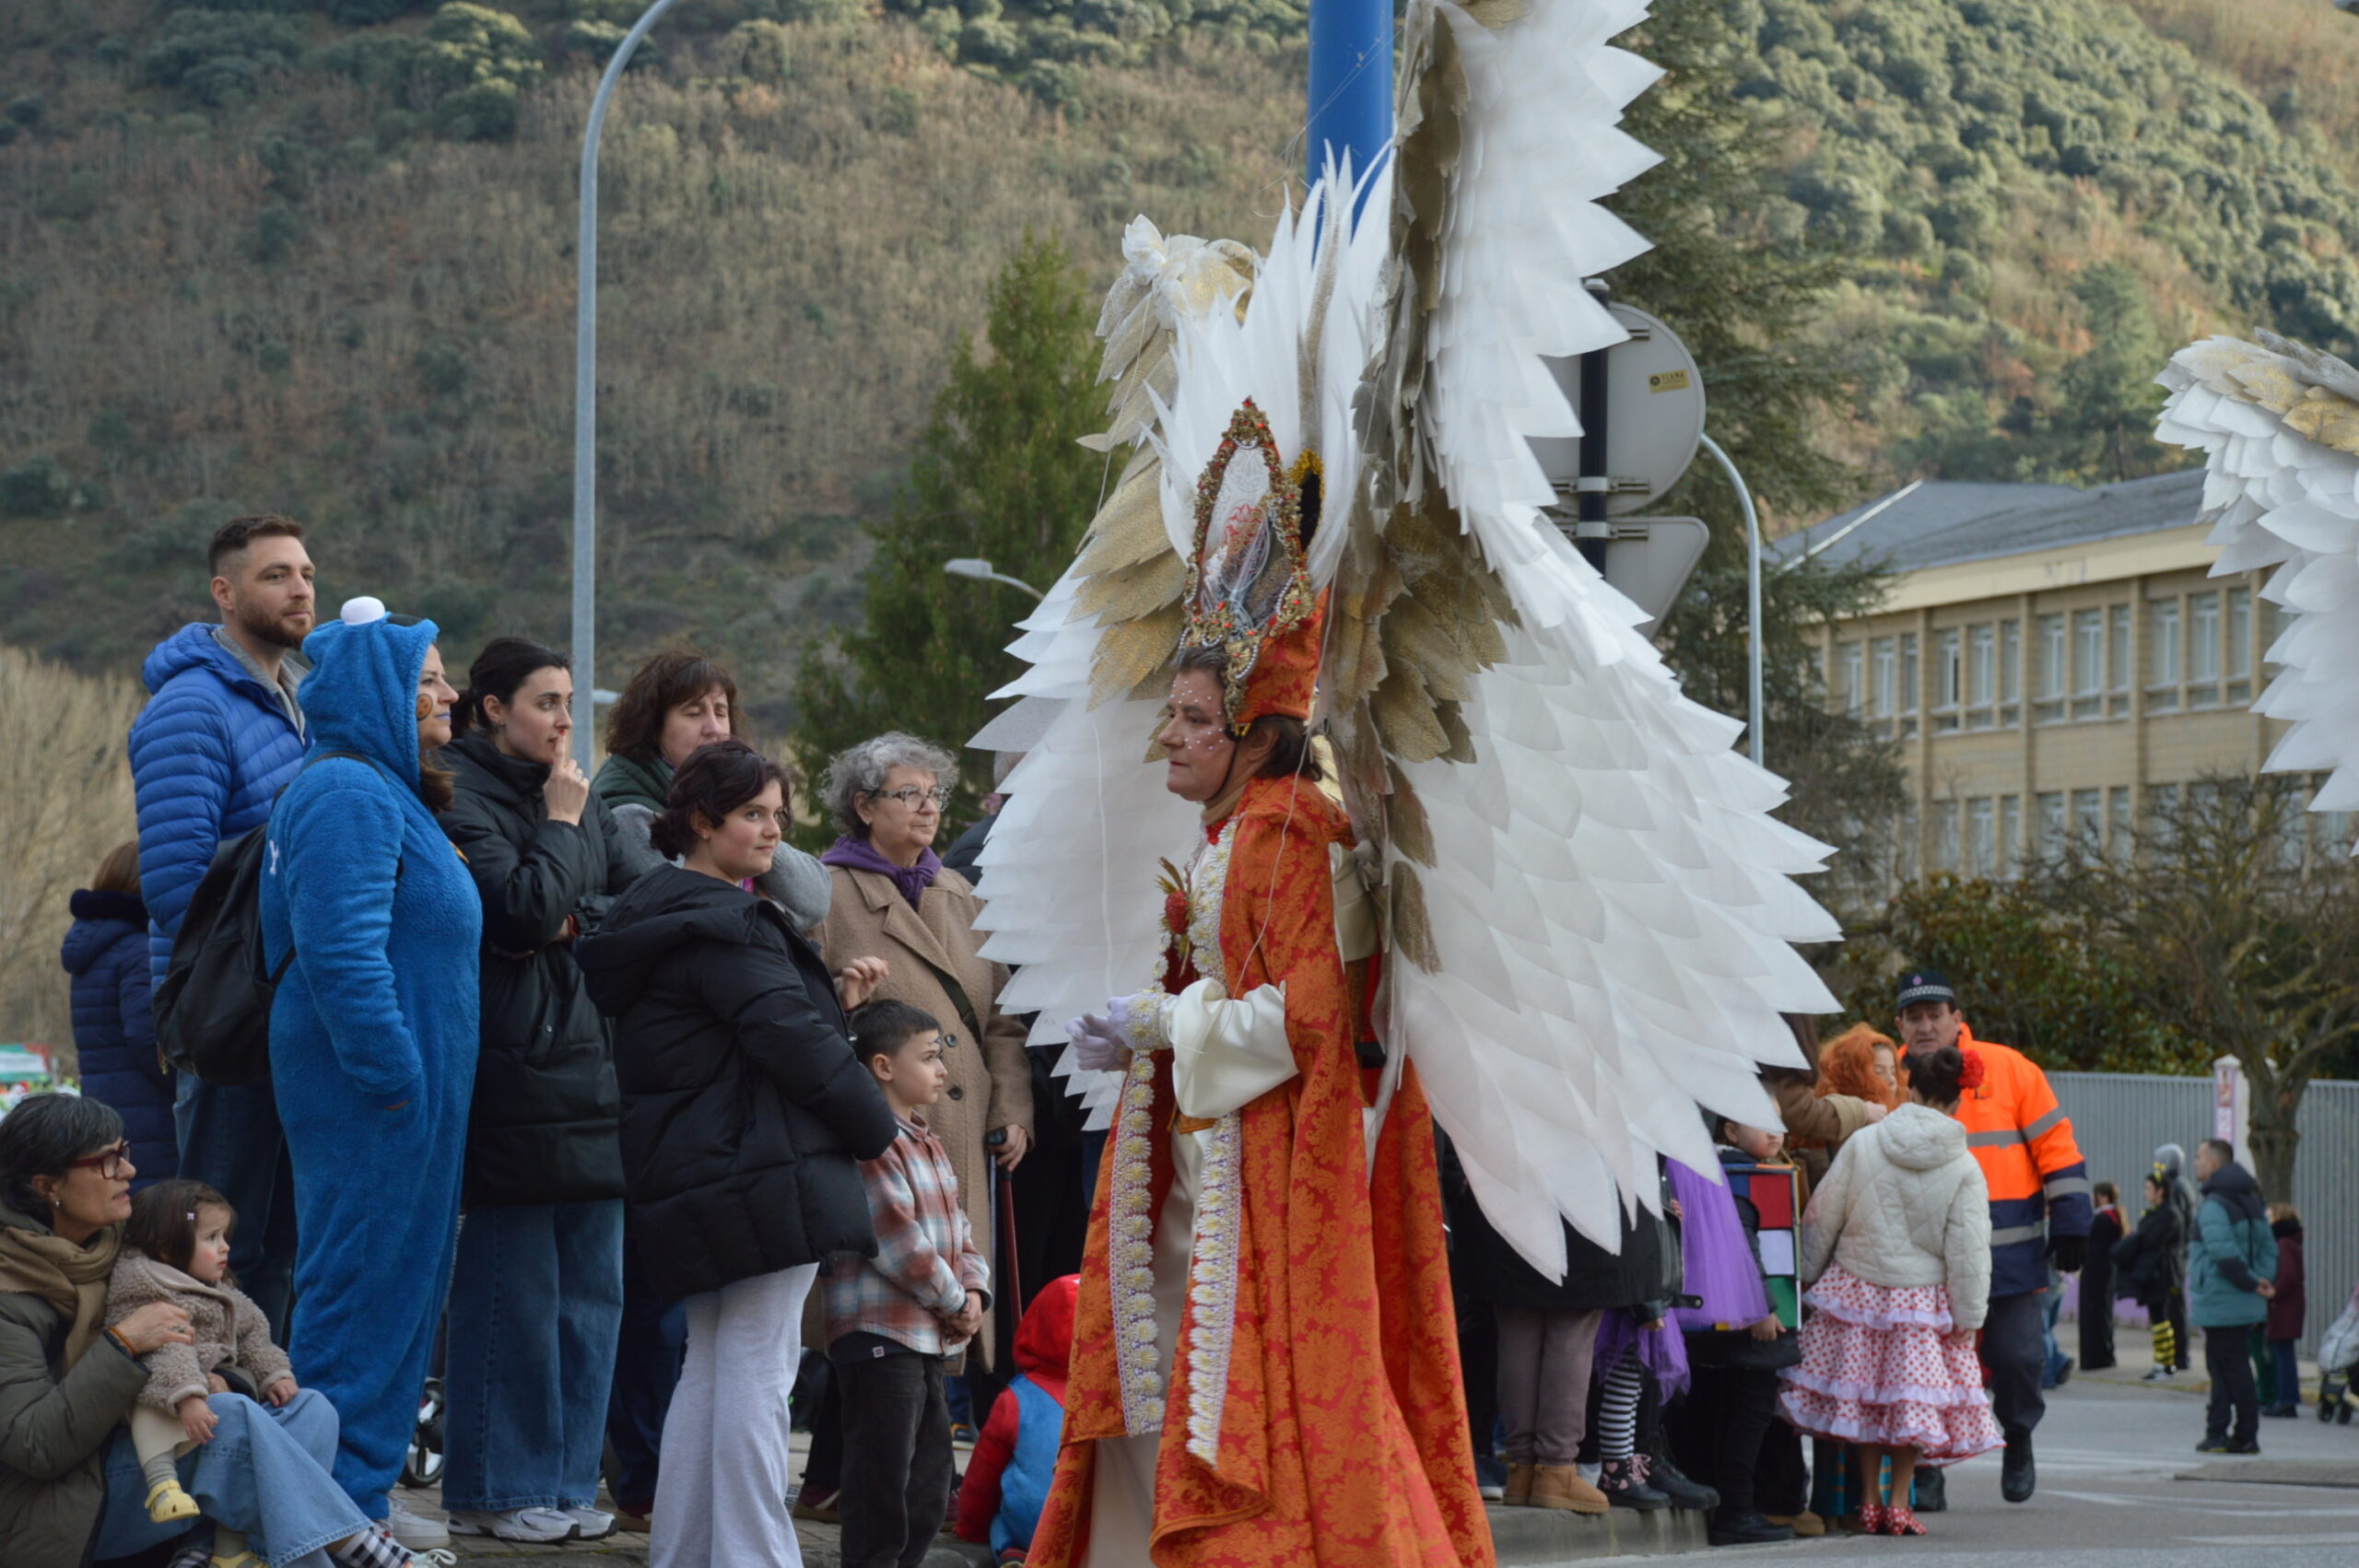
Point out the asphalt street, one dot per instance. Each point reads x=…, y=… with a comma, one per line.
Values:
x=2110, y=1459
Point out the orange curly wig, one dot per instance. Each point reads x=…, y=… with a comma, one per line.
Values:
x=1847, y=1065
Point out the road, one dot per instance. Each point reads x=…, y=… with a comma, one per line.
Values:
x=2109, y=1496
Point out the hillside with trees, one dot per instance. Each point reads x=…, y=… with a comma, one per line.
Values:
x=317, y=255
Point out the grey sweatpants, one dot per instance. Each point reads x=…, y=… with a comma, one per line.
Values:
x=1543, y=1383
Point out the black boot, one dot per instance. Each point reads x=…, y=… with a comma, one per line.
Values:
x=1666, y=1477
x=1623, y=1481
x=1932, y=1492
x=1744, y=1529
x=2016, y=1476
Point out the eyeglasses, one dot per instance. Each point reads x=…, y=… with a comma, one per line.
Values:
x=909, y=795
x=108, y=1162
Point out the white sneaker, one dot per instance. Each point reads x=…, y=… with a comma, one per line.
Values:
x=592, y=1524
x=537, y=1527
x=415, y=1532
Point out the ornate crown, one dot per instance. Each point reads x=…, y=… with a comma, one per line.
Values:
x=1249, y=584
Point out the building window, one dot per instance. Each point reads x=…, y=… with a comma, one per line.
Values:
x=2051, y=825
x=2162, y=810
x=1883, y=673
x=1851, y=677
x=2054, y=674
x=1949, y=675
x=1945, y=836
x=1981, y=674
x=2088, y=665
x=1911, y=690
x=2118, y=619
x=1908, y=857
x=2202, y=650
x=2011, y=833
x=2271, y=623
x=2088, y=819
x=2162, y=661
x=1981, y=837
x=2119, y=810
x=2010, y=670
x=2239, y=670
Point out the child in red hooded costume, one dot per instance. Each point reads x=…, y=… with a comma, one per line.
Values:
x=1016, y=1457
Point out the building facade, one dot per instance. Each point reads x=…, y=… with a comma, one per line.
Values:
x=2053, y=663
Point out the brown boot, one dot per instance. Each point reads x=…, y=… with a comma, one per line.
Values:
x=1518, y=1491
x=1560, y=1486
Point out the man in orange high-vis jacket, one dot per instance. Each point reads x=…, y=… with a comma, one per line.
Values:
x=2040, y=1208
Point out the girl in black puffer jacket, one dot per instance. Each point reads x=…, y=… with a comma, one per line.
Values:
x=114, y=1018
x=536, y=1298
x=744, y=1113
x=2147, y=1267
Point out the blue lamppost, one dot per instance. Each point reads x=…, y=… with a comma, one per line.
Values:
x=1351, y=83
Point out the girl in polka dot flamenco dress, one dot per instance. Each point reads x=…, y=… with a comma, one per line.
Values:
x=1896, y=1254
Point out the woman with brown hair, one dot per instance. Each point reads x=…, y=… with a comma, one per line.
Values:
x=115, y=1015
x=676, y=702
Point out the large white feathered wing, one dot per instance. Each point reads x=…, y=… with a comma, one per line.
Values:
x=1591, y=907
x=2278, y=426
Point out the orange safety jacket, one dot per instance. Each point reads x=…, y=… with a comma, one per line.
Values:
x=2023, y=1141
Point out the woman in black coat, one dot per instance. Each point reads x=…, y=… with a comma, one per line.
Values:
x=114, y=1013
x=536, y=1297
x=2147, y=1265
x=745, y=1112
x=2096, y=1280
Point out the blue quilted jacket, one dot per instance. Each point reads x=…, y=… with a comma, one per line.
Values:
x=208, y=755
x=114, y=1026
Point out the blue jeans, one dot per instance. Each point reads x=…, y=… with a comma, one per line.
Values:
x=646, y=1368
x=536, y=1307
x=2289, y=1372
x=265, y=1472
x=230, y=1141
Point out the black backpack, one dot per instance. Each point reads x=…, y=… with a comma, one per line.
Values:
x=213, y=1010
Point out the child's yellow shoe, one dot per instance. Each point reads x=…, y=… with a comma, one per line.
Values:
x=240, y=1558
x=167, y=1502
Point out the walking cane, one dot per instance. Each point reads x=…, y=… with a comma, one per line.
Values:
x=1004, y=1210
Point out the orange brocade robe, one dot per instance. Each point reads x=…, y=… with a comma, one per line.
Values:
x=1341, y=1432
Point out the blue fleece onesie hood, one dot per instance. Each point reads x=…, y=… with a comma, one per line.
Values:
x=372, y=1039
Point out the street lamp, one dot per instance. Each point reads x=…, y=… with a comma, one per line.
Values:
x=585, y=384
x=979, y=571
x=1753, y=599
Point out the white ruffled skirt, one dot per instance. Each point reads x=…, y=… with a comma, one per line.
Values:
x=1886, y=1365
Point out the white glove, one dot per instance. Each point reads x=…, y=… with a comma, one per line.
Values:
x=1098, y=1043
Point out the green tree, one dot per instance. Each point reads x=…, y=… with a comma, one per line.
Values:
x=998, y=474
x=2227, y=935
x=2029, y=975
x=2109, y=394
x=1744, y=301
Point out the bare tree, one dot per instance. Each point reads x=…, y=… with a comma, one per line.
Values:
x=2228, y=931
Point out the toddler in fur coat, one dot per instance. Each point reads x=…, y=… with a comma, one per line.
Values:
x=177, y=1249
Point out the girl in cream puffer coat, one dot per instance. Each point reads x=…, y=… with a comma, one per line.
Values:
x=1896, y=1254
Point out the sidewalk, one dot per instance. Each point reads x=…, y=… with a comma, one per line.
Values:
x=2134, y=1351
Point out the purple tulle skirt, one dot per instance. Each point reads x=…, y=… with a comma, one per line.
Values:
x=1662, y=1351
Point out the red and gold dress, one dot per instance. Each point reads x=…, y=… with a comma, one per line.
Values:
x=1265, y=1365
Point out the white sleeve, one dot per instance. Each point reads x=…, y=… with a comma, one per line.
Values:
x=1223, y=1052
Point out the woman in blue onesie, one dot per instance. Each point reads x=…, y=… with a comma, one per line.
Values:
x=372, y=1034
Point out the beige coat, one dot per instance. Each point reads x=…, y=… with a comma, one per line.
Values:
x=230, y=1330
x=990, y=1083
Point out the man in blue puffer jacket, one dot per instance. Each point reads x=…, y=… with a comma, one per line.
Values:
x=220, y=735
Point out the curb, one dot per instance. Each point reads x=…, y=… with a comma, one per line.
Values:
x=1525, y=1538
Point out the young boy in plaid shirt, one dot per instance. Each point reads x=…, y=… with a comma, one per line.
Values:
x=892, y=1321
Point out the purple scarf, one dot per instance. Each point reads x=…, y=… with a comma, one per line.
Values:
x=859, y=855
x=1721, y=1267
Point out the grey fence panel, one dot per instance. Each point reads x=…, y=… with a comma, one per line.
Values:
x=2118, y=1118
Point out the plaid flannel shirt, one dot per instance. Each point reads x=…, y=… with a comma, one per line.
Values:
x=926, y=1260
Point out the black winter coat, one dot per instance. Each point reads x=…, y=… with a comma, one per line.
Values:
x=543, y=1125
x=2149, y=1262
x=1488, y=1266
x=106, y=950
x=745, y=1111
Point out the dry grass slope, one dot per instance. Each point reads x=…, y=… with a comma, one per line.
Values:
x=2299, y=56
x=64, y=802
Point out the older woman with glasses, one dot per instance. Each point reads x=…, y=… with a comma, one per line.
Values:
x=892, y=898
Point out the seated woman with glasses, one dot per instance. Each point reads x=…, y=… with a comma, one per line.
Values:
x=71, y=1486
x=892, y=898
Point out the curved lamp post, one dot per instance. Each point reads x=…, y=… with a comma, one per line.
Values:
x=979, y=571
x=1753, y=599
x=585, y=386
